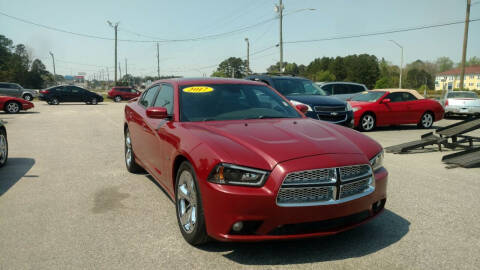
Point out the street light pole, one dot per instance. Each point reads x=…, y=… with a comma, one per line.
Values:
x=115, y=27
x=54, y=73
x=401, y=63
x=279, y=8
x=465, y=40
x=248, y=56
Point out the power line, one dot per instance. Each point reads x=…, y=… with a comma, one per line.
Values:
x=381, y=32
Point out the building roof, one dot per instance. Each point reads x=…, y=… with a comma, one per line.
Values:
x=411, y=91
x=458, y=71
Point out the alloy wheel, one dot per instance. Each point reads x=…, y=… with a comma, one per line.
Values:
x=28, y=97
x=3, y=149
x=128, y=149
x=427, y=120
x=13, y=107
x=368, y=122
x=187, y=201
x=54, y=101
x=94, y=101
x=117, y=99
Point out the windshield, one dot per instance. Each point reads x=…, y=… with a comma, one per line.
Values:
x=232, y=102
x=291, y=87
x=462, y=95
x=368, y=96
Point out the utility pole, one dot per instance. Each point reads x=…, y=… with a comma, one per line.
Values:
x=126, y=68
x=248, y=56
x=465, y=40
x=108, y=79
x=401, y=63
x=119, y=71
x=158, y=62
x=279, y=8
x=115, y=26
x=54, y=73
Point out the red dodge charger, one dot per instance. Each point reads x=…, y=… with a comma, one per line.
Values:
x=384, y=107
x=243, y=164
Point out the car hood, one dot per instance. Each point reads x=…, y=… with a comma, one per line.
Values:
x=265, y=143
x=317, y=100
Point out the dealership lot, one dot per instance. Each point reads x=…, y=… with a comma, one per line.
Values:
x=67, y=201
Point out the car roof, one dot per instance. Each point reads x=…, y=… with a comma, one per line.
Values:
x=411, y=91
x=209, y=80
x=322, y=83
x=275, y=76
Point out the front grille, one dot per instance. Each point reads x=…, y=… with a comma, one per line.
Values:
x=332, y=118
x=305, y=194
x=329, y=108
x=325, y=186
x=320, y=176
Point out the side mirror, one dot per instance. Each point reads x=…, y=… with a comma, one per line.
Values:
x=386, y=100
x=157, y=112
x=302, y=107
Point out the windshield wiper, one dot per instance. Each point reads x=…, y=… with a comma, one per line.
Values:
x=264, y=117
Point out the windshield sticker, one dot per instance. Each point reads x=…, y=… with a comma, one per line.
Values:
x=198, y=89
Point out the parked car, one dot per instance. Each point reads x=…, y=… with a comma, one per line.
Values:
x=119, y=93
x=14, y=105
x=69, y=93
x=303, y=91
x=242, y=163
x=342, y=90
x=384, y=107
x=461, y=103
x=16, y=90
x=3, y=145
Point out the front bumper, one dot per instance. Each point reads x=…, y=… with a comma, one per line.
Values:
x=467, y=110
x=27, y=106
x=225, y=205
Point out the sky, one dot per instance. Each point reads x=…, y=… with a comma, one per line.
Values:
x=183, y=19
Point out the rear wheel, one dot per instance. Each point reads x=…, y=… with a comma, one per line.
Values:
x=130, y=162
x=3, y=147
x=53, y=101
x=367, y=122
x=12, y=107
x=189, y=206
x=28, y=97
x=426, y=121
x=117, y=98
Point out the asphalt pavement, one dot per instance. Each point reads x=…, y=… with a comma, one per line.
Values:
x=67, y=202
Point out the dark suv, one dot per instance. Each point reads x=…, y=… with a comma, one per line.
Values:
x=303, y=91
x=119, y=93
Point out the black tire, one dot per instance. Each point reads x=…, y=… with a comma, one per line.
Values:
x=28, y=97
x=12, y=107
x=426, y=121
x=94, y=101
x=132, y=165
x=3, y=155
x=54, y=101
x=367, y=122
x=198, y=235
x=117, y=98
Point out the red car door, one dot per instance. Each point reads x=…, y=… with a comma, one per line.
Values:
x=397, y=110
x=162, y=143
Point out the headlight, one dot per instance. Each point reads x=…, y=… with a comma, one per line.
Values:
x=354, y=109
x=349, y=107
x=377, y=161
x=228, y=174
x=294, y=102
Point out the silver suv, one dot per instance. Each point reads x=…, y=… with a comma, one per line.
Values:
x=342, y=90
x=15, y=90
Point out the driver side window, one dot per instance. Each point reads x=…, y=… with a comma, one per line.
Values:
x=149, y=96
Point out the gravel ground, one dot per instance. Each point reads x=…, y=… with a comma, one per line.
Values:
x=67, y=202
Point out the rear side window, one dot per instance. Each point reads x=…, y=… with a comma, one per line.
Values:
x=149, y=96
x=328, y=89
x=401, y=96
x=356, y=88
x=165, y=98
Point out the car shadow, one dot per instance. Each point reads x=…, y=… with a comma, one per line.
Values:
x=402, y=127
x=149, y=177
x=385, y=230
x=20, y=112
x=13, y=171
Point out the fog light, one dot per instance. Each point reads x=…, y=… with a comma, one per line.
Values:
x=237, y=226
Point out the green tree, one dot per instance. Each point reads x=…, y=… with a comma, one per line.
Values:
x=324, y=76
x=443, y=64
x=232, y=66
x=473, y=61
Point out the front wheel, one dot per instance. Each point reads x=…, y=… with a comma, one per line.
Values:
x=117, y=98
x=426, y=121
x=94, y=101
x=189, y=206
x=367, y=122
x=3, y=147
x=12, y=107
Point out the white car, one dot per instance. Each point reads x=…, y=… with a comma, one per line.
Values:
x=461, y=102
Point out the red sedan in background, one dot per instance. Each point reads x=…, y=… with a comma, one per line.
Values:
x=243, y=164
x=119, y=93
x=14, y=105
x=384, y=107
